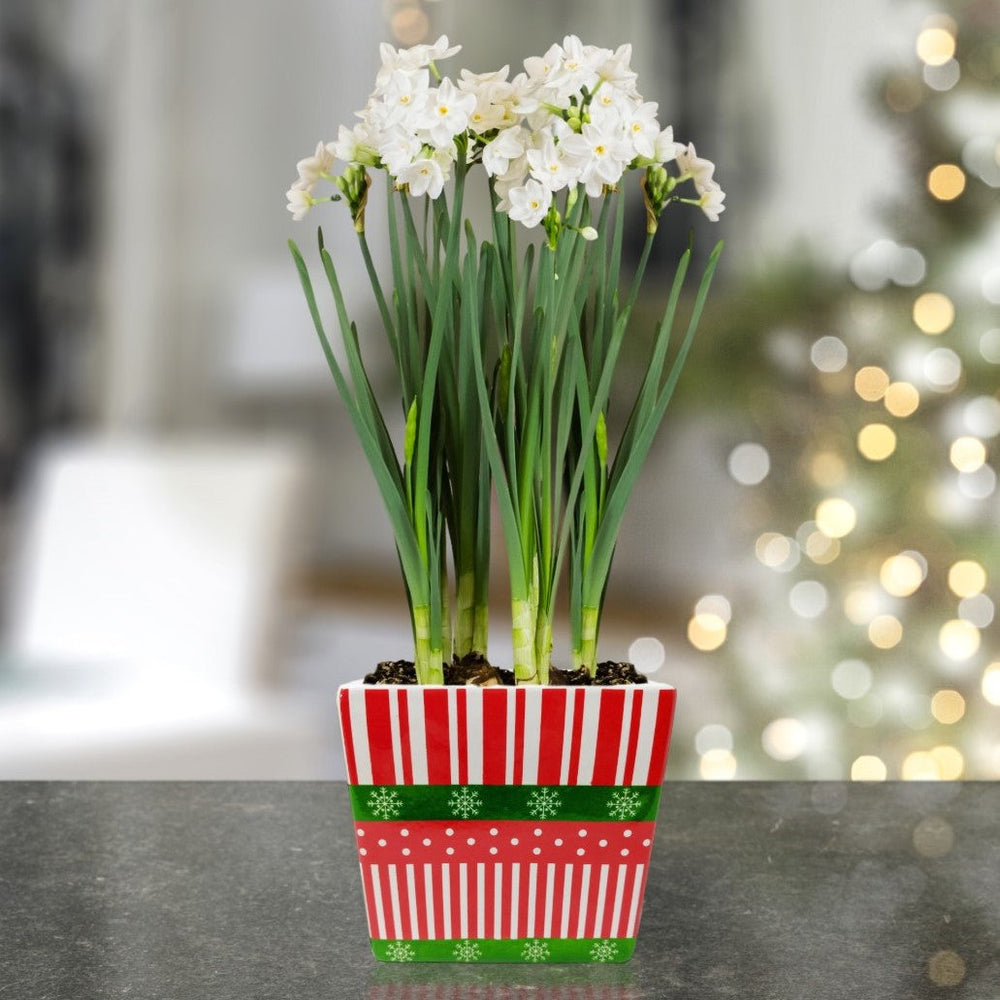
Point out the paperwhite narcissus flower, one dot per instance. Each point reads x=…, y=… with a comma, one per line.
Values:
x=552, y=166
x=529, y=203
x=423, y=176
x=573, y=117
x=711, y=202
x=695, y=167
x=299, y=202
x=414, y=58
x=313, y=167
x=498, y=154
x=603, y=156
x=446, y=112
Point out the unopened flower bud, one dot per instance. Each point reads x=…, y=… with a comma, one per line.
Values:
x=588, y=233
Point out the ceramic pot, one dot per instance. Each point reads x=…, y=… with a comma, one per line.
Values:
x=504, y=824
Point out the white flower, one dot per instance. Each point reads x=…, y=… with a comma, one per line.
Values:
x=529, y=203
x=489, y=90
x=578, y=67
x=664, y=147
x=711, y=202
x=501, y=151
x=552, y=165
x=398, y=149
x=643, y=130
x=423, y=176
x=313, y=167
x=513, y=177
x=603, y=155
x=299, y=202
x=698, y=169
x=405, y=96
x=541, y=68
x=615, y=69
x=446, y=112
x=414, y=58
x=352, y=143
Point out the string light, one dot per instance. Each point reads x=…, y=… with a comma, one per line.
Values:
x=717, y=765
x=967, y=454
x=920, y=766
x=902, y=575
x=950, y=762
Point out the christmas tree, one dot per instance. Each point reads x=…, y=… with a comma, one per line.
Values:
x=861, y=641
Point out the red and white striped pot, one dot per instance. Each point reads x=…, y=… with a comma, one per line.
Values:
x=504, y=824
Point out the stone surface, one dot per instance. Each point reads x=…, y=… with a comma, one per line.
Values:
x=247, y=890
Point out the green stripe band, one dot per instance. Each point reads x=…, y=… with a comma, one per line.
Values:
x=526, y=950
x=607, y=803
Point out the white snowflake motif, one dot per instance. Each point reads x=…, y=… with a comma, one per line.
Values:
x=624, y=804
x=543, y=803
x=604, y=951
x=535, y=951
x=467, y=951
x=465, y=803
x=385, y=803
x=399, y=951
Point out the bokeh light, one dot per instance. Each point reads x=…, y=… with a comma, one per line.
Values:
x=950, y=762
x=947, y=706
x=861, y=604
x=706, y=632
x=851, y=679
x=935, y=46
x=808, y=598
x=717, y=765
x=901, y=575
x=713, y=737
x=869, y=768
x=876, y=442
x=777, y=551
x=991, y=684
x=946, y=181
x=870, y=383
x=982, y=416
x=920, y=766
x=966, y=578
x=978, y=610
x=967, y=454
x=749, y=463
x=942, y=369
x=836, y=517
x=901, y=399
x=933, y=312
x=885, y=631
x=785, y=739
x=829, y=354
x=827, y=469
x=959, y=640
x=647, y=654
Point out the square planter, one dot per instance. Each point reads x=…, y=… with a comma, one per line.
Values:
x=504, y=824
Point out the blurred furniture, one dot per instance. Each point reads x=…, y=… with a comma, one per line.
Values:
x=146, y=594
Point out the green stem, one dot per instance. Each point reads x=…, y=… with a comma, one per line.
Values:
x=588, y=647
x=465, y=614
x=429, y=662
x=523, y=633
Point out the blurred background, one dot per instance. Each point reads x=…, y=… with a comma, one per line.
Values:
x=192, y=548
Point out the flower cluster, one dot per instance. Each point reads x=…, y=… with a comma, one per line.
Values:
x=573, y=118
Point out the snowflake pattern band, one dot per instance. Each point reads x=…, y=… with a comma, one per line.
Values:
x=634, y=803
x=516, y=950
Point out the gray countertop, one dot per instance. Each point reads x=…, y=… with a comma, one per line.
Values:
x=251, y=890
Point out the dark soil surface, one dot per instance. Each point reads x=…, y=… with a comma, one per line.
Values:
x=475, y=669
